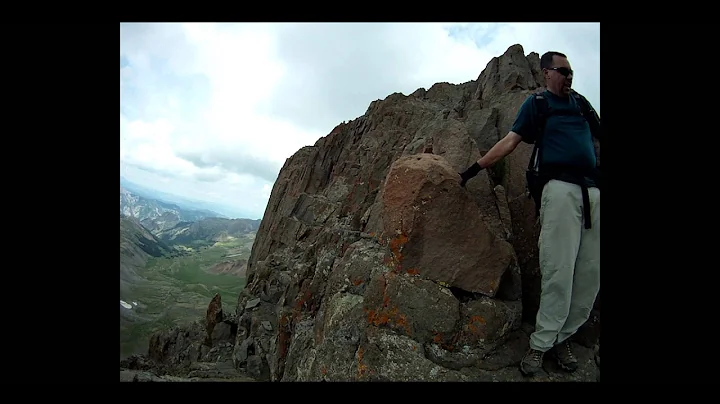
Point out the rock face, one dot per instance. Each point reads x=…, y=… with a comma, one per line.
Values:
x=372, y=263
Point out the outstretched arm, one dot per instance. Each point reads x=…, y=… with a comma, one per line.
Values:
x=522, y=130
x=501, y=149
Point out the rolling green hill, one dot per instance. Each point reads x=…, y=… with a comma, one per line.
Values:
x=137, y=245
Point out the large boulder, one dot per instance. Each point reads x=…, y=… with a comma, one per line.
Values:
x=436, y=229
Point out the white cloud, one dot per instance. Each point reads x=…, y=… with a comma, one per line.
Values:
x=211, y=111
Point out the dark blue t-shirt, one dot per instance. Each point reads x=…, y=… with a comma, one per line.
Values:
x=567, y=139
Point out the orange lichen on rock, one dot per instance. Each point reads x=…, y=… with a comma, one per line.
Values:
x=379, y=318
x=478, y=319
x=396, y=244
x=301, y=303
x=357, y=282
x=362, y=367
x=401, y=321
x=474, y=320
x=440, y=340
x=413, y=272
x=388, y=315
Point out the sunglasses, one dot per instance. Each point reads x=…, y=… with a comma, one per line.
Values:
x=562, y=70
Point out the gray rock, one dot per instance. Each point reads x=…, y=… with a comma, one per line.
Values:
x=146, y=377
x=258, y=368
x=252, y=303
x=240, y=353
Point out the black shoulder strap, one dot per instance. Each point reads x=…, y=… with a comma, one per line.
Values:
x=588, y=113
x=542, y=110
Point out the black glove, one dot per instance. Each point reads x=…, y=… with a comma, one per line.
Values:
x=469, y=173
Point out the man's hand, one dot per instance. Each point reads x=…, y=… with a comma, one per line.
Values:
x=469, y=173
x=501, y=149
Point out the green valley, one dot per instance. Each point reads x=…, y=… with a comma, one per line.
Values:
x=167, y=280
x=177, y=290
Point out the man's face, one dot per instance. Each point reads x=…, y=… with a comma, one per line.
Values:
x=559, y=76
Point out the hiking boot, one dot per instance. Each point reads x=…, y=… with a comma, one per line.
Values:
x=532, y=362
x=565, y=358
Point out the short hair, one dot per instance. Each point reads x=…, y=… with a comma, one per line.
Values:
x=547, y=59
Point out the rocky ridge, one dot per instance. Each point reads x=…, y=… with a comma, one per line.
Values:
x=372, y=263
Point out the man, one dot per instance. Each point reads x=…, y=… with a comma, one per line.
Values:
x=568, y=195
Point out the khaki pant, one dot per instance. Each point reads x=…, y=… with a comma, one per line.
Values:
x=569, y=263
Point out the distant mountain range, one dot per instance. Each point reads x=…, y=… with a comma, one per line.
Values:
x=156, y=215
x=209, y=229
x=181, y=202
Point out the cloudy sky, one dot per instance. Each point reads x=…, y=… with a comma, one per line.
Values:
x=210, y=112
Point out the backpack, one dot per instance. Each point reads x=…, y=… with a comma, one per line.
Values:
x=536, y=181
